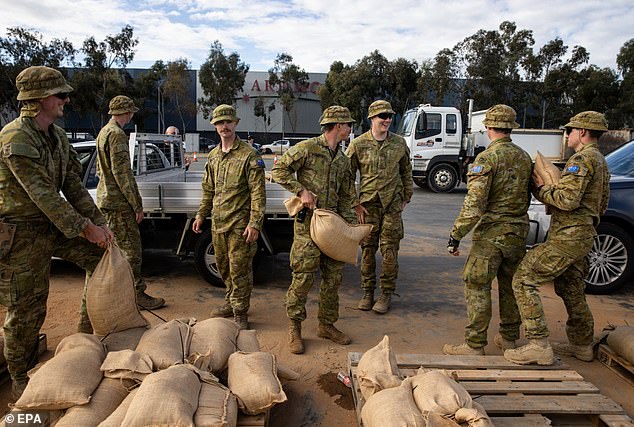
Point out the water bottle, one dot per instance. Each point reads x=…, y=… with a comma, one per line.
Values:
x=345, y=379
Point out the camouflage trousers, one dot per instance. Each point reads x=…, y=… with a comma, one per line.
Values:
x=387, y=232
x=565, y=263
x=126, y=232
x=487, y=261
x=234, y=257
x=306, y=259
x=24, y=285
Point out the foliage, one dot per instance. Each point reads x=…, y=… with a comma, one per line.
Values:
x=221, y=78
x=290, y=80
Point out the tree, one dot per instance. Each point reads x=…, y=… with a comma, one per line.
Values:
x=221, y=78
x=22, y=48
x=174, y=85
x=98, y=81
x=290, y=80
x=437, y=77
x=263, y=110
x=625, y=64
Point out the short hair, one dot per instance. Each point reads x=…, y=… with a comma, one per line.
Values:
x=328, y=127
x=596, y=134
x=501, y=130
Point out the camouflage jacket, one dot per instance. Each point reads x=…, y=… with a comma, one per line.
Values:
x=233, y=188
x=311, y=165
x=580, y=197
x=497, y=194
x=385, y=168
x=117, y=189
x=34, y=168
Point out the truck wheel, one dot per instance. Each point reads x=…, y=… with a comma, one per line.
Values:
x=442, y=178
x=611, y=259
x=205, y=259
x=421, y=182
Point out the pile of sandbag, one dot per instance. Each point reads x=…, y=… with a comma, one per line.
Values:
x=430, y=398
x=176, y=373
x=621, y=341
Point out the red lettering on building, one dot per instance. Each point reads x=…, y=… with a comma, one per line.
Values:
x=314, y=87
x=256, y=86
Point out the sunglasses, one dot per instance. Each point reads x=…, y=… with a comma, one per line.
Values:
x=569, y=130
x=384, y=116
x=61, y=95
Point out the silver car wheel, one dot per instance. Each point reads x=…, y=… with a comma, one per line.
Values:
x=608, y=260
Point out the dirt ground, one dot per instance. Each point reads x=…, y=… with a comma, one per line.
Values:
x=429, y=312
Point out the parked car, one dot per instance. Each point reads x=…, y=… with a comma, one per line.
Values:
x=277, y=147
x=612, y=255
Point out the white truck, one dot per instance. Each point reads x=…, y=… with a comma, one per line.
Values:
x=441, y=153
x=171, y=195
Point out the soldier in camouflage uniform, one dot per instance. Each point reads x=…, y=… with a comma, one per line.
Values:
x=117, y=193
x=382, y=159
x=36, y=163
x=576, y=203
x=235, y=196
x=496, y=204
x=318, y=172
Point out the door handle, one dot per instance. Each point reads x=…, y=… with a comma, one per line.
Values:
x=438, y=140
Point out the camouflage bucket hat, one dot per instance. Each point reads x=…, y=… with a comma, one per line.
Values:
x=224, y=112
x=335, y=114
x=500, y=116
x=588, y=120
x=40, y=82
x=378, y=107
x=121, y=104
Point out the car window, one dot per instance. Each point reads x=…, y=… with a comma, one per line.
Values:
x=621, y=161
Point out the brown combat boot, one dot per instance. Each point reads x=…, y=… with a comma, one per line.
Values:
x=536, y=351
x=146, y=302
x=224, y=310
x=502, y=343
x=382, y=305
x=463, y=349
x=367, y=300
x=333, y=334
x=295, y=343
x=581, y=352
x=242, y=320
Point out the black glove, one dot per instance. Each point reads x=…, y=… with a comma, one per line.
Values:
x=452, y=245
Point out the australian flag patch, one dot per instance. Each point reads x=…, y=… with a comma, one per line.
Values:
x=476, y=169
x=261, y=163
x=572, y=169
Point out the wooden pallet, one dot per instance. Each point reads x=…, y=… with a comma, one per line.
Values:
x=261, y=420
x=514, y=395
x=616, y=363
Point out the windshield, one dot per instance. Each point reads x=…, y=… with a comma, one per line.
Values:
x=407, y=123
x=621, y=161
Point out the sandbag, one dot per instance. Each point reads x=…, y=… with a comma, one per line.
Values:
x=166, y=343
x=547, y=171
x=124, y=340
x=621, y=340
x=392, y=407
x=69, y=378
x=253, y=379
x=110, y=295
x=335, y=237
x=247, y=341
x=434, y=391
x=217, y=407
x=103, y=402
x=127, y=364
x=213, y=341
x=377, y=369
x=116, y=418
x=165, y=398
x=293, y=205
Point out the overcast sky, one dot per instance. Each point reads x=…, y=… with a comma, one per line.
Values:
x=316, y=33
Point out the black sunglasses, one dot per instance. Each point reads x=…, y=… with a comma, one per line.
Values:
x=569, y=130
x=61, y=95
x=384, y=116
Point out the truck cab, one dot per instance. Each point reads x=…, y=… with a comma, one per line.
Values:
x=433, y=135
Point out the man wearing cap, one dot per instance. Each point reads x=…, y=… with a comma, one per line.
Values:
x=319, y=173
x=36, y=222
x=495, y=208
x=117, y=193
x=382, y=159
x=576, y=203
x=235, y=196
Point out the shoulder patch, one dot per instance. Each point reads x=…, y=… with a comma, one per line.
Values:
x=572, y=169
x=261, y=163
x=477, y=169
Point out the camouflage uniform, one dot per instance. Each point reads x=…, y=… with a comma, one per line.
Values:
x=34, y=168
x=313, y=166
x=386, y=182
x=576, y=203
x=235, y=196
x=118, y=196
x=496, y=204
